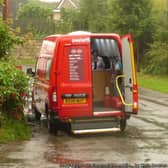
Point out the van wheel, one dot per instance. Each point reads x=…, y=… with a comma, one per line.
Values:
x=123, y=124
x=51, y=124
x=36, y=113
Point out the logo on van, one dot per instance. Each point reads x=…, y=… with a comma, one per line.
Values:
x=81, y=40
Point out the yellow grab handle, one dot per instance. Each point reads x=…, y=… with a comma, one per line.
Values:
x=119, y=91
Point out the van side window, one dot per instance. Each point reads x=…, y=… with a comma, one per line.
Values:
x=40, y=69
x=48, y=67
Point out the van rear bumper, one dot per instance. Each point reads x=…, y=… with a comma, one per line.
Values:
x=95, y=125
x=68, y=114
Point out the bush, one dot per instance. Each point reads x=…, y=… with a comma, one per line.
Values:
x=157, y=59
x=12, y=130
x=13, y=87
x=7, y=39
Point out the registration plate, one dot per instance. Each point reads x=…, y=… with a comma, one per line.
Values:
x=74, y=100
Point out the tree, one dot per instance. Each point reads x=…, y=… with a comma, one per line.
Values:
x=35, y=18
x=133, y=17
x=66, y=24
x=7, y=39
x=93, y=15
x=161, y=32
x=157, y=57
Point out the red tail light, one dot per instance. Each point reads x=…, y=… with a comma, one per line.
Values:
x=135, y=99
x=54, y=96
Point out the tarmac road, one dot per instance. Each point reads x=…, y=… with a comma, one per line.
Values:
x=143, y=143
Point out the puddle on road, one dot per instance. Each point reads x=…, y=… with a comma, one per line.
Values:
x=43, y=149
x=98, y=148
x=66, y=149
x=60, y=159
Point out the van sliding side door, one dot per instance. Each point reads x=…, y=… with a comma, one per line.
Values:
x=129, y=72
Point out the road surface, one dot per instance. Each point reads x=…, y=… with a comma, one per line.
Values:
x=145, y=142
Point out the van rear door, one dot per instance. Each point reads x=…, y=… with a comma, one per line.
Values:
x=74, y=81
x=129, y=71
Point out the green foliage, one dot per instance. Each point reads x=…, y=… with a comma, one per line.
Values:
x=26, y=61
x=130, y=16
x=35, y=18
x=12, y=130
x=66, y=24
x=160, y=5
x=7, y=39
x=92, y=16
x=95, y=19
x=13, y=86
x=161, y=33
x=156, y=58
x=154, y=82
x=133, y=17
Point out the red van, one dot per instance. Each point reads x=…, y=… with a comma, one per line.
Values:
x=69, y=88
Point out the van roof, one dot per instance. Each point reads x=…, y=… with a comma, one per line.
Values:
x=83, y=34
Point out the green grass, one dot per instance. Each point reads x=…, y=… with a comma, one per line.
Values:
x=25, y=61
x=14, y=130
x=158, y=83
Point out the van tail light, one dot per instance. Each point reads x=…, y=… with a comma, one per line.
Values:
x=135, y=106
x=54, y=96
x=135, y=99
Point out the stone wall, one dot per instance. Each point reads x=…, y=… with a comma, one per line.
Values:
x=28, y=50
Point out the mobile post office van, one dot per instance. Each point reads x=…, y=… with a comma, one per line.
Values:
x=69, y=88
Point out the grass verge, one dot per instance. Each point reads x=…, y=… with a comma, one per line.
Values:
x=14, y=130
x=158, y=83
x=25, y=62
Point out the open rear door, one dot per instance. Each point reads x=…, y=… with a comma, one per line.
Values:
x=129, y=74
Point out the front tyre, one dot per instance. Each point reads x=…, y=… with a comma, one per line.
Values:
x=52, y=124
x=36, y=113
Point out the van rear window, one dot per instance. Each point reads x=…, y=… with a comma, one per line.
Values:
x=105, y=46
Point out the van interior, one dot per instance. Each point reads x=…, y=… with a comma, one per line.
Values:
x=105, y=94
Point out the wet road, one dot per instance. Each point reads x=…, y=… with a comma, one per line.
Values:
x=144, y=141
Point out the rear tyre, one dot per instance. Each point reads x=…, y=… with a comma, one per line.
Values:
x=123, y=124
x=52, y=124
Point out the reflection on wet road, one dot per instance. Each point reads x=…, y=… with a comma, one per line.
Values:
x=144, y=141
